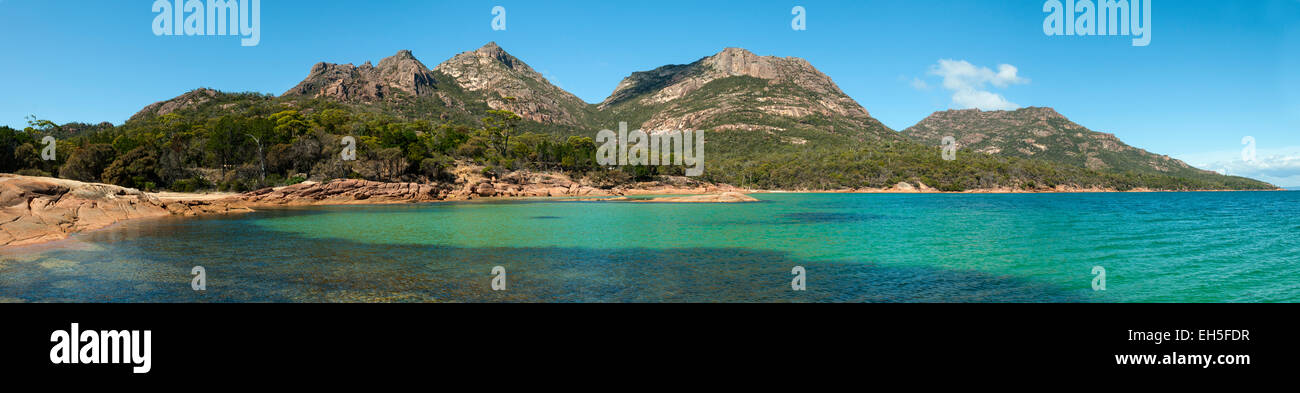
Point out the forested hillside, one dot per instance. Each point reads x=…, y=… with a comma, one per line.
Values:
x=771, y=123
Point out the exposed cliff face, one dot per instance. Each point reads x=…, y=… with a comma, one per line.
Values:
x=505, y=82
x=401, y=72
x=1040, y=133
x=732, y=90
x=738, y=90
x=484, y=78
x=669, y=83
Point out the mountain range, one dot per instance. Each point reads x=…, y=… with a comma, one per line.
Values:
x=760, y=110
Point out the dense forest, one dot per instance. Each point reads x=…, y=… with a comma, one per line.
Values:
x=246, y=141
x=241, y=142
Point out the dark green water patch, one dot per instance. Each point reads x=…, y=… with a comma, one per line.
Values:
x=251, y=265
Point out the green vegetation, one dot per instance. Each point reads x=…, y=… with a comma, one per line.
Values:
x=241, y=142
x=245, y=141
x=817, y=152
x=768, y=163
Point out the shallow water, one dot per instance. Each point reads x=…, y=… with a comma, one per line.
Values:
x=1156, y=247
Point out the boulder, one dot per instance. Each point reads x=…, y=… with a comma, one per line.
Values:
x=485, y=190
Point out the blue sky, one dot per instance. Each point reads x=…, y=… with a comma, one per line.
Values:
x=1214, y=72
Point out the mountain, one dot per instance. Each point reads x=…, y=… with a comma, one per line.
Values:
x=505, y=82
x=399, y=74
x=1040, y=133
x=775, y=123
x=738, y=90
x=190, y=99
x=467, y=84
x=400, y=84
x=787, y=99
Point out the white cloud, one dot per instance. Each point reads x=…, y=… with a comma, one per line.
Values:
x=1280, y=166
x=969, y=83
x=917, y=83
x=1275, y=166
x=983, y=100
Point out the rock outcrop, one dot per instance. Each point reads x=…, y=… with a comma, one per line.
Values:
x=190, y=99
x=738, y=90
x=345, y=192
x=456, y=87
x=726, y=197
x=505, y=82
x=401, y=72
x=41, y=209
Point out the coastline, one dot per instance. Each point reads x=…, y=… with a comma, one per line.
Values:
x=36, y=210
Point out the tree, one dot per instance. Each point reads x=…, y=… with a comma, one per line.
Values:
x=332, y=120
x=28, y=156
x=391, y=163
x=436, y=167
x=499, y=126
x=88, y=163
x=289, y=123
x=223, y=140
x=260, y=157
x=10, y=140
x=41, y=126
x=137, y=169
x=579, y=153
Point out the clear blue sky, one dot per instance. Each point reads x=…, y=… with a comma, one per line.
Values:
x=1215, y=71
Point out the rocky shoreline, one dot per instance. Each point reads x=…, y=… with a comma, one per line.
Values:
x=40, y=209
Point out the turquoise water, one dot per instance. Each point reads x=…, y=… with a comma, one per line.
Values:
x=1157, y=247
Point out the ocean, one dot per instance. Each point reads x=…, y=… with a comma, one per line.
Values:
x=1103, y=247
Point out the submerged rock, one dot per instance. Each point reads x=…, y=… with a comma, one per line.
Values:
x=726, y=197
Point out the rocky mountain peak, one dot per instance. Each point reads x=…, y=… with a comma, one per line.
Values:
x=401, y=72
x=469, y=67
x=190, y=99
x=491, y=50
x=404, y=54
x=491, y=71
x=1021, y=116
x=786, y=89
x=675, y=81
x=737, y=61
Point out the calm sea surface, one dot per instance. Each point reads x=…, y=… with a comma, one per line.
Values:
x=1158, y=247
